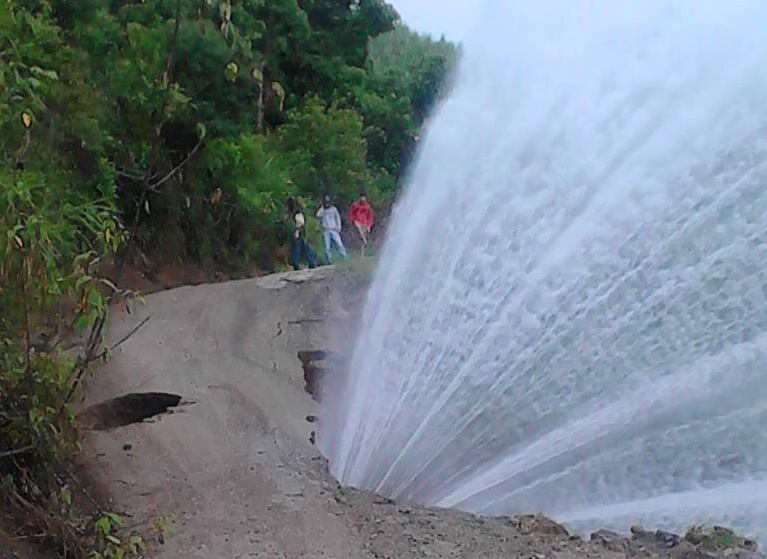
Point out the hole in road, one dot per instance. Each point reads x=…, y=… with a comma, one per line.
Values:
x=128, y=409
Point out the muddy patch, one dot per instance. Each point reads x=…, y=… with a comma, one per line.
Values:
x=128, y=409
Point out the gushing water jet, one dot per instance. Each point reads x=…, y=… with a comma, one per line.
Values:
x=570, y=313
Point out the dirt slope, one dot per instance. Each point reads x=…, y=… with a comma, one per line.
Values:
x=233, y=461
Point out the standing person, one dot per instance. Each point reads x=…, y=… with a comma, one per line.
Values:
x=299, y=248
x=361, y=215
x=331, y=229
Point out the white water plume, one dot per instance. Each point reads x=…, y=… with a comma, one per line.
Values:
x=570, y=313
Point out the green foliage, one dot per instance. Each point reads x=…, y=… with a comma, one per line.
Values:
x=57, y=221
x=49, y=244
x=247, y=224
x=408, y=72
x=414, y=64
x=54, y=224
x=285, y=90
x=110, y=544
x=50, y=237
x=315, y=139
x=163, y=527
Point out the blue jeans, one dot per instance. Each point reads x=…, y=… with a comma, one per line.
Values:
x=333, y=238
x=300, y=249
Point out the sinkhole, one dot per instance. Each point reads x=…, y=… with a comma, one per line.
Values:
x=129, y=409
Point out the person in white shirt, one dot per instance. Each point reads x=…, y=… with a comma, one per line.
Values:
x=331, y=229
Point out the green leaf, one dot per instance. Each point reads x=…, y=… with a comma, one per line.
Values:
x=279, y=93
x=231, y=71
x=49, y=74
x=66, y=497
x=103, y=525
x=258, y=75
x=136, y=544
x=82, y=323
x=82, y=280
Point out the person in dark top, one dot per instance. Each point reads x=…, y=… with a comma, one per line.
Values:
x=299, y=248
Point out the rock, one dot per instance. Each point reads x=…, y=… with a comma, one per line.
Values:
x=643, y=538
x=638, y=533
x=687, y=550
x=666, y=540
x=657, y=540
x=384, y=501
x=537, y=524
x=127, y=447
x=610, y=540
x=341, y=500
x=742, y=553
x=706, y=543
x=733, y=553
x=714, y=539
x=702, y=539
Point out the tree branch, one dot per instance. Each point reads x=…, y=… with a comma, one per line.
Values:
x=130, y=334
x=179, y=166
x=22, y=450
x=127, y=175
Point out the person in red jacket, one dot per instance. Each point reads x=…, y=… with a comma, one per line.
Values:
x=361, y=215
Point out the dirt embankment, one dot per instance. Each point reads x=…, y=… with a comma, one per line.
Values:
x=209, y=441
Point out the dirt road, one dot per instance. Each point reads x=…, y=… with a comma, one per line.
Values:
x=231, y=469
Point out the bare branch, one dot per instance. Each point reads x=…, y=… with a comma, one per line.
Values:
x=130, y=176
x=22, y=450
x=129, y=334
x=178, y=167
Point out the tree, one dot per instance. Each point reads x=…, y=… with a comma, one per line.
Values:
x=407, y=77
x=324, y=149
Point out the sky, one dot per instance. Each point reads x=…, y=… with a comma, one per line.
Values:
x=453, y=18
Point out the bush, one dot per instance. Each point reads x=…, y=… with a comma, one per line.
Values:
x=246, y=226
x=50, y=240
x=325, y=150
